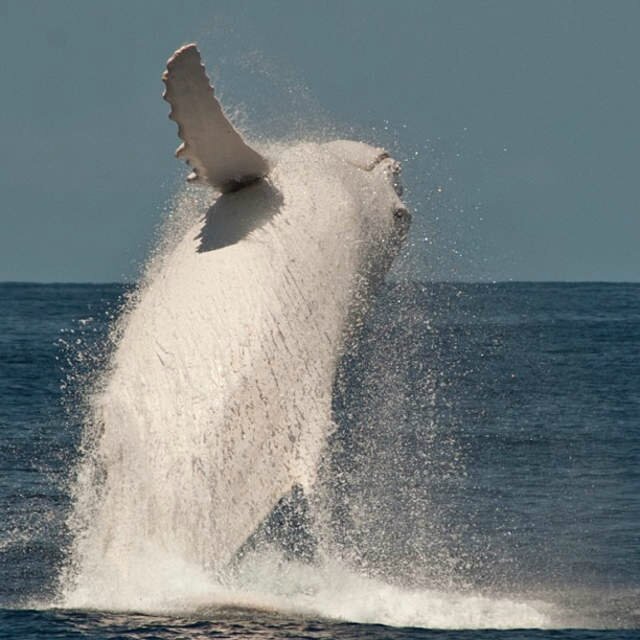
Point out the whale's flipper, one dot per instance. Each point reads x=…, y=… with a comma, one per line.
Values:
x=287, y=528
x=212, y=147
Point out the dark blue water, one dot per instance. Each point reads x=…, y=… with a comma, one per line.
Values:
x=488, y=442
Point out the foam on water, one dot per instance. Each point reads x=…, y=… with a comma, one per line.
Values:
x=334, y=591
x=267, y=581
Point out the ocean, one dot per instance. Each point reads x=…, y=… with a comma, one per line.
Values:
x=482, y=479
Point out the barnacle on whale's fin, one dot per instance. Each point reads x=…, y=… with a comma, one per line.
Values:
x=211, y=146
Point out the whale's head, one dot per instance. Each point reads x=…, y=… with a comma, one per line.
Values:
x=388, y=217
x=358, y=184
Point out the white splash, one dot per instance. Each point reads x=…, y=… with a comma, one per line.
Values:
x=268, y=582
x=333, y=591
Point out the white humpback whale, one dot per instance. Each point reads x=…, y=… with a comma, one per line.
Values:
x=217, y=399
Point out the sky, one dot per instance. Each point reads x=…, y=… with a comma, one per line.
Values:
x=516, y=123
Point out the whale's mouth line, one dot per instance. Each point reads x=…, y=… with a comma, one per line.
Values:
x=377, y=160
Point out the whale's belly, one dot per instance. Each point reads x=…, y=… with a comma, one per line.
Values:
x=217, y=399
x=221, y=386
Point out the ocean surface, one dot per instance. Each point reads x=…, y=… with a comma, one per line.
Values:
x=483, y=479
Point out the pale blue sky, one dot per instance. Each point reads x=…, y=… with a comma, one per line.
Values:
x=517, y=121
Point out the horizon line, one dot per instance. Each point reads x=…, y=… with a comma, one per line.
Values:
x=126, y=283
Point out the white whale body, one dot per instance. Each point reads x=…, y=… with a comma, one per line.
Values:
x=218, y=397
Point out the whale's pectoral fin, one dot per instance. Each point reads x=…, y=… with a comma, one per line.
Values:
x=211, y=146
x=287, y=528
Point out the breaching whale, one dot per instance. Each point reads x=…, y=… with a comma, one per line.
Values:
x=217, y=398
